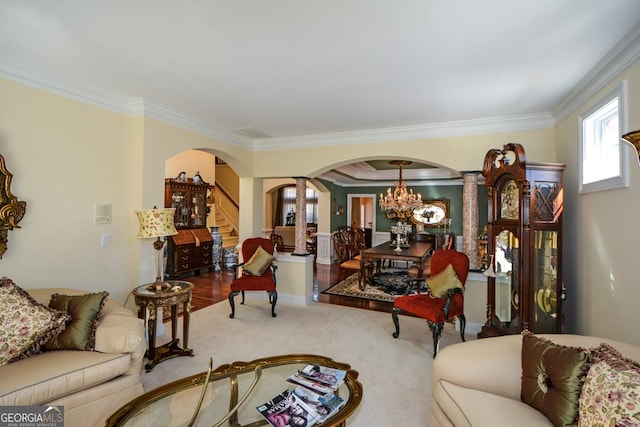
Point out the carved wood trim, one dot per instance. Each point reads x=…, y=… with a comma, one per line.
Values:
x=11, y=210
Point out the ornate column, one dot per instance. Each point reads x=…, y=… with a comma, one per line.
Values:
x=470, y=218
x=301, y=217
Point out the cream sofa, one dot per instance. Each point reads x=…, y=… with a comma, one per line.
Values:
x=477, y=383
x=91, y=385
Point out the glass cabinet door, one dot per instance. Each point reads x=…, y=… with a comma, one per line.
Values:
x=180, y=202
x=507, y=296
x=545, y=263
x=199, y=206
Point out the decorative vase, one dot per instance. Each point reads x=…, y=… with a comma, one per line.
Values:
x=216, y=248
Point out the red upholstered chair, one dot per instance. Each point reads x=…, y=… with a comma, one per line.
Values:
x=251, y=279
x=427, y=306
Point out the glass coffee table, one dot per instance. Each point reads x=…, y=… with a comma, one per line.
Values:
x=233, y=393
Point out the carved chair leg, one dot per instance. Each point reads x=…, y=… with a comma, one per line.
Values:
x=436, y=329
x=232, y=303
x=394, y=316
x=242, y=302
x=463, y=324
x=273, y=298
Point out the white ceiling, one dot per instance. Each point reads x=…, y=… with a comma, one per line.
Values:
x=296, y=70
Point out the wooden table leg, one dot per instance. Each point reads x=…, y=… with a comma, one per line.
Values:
x=186, y=316
x=174, y=322
x=151, y=326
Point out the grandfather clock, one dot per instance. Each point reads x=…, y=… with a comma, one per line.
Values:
x=524, y=233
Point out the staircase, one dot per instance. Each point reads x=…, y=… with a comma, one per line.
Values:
x=229, y=235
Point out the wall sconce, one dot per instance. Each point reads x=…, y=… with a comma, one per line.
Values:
x=339, y=209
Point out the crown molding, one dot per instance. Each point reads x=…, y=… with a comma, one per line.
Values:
x=615, y=62
x=21, y=72
x=157, y=111
x=30, y=75
x=445, y=129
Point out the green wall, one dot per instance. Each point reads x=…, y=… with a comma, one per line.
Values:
x=451, y=192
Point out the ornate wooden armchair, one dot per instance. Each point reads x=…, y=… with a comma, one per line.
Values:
x=258, y=272
x=444, y=300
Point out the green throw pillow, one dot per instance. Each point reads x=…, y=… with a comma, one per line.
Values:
x=440, y=283
x=80, y=333
x=258, y=263
x=552, y=378
x=25, y=324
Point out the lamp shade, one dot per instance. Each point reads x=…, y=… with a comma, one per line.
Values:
x=156, y=223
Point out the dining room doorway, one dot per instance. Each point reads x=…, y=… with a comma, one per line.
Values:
x=361, y=213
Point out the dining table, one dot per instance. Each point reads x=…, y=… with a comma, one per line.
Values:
x=416, y=252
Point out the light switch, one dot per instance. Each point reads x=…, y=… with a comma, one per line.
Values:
x=105, y=239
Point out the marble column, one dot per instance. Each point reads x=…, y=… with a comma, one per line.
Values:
x=301, y=217
x=470, y=218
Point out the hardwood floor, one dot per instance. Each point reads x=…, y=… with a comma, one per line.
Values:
x=213, y=287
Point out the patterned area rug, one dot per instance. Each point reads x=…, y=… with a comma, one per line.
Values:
x=384, y=286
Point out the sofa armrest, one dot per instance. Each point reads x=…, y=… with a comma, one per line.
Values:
x=118, y=331
x=494, y=364
x=491, y=364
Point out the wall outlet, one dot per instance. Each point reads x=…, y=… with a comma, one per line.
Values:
x=105, y=240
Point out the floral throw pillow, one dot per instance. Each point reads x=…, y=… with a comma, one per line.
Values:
x=611, y=392
x=25, y=324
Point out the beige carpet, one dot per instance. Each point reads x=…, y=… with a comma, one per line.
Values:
x=395, y=373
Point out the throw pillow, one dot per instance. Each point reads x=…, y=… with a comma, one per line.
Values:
x=611, y=392
x=80, y=333
x=258, y=263
x=552, y=378
x=440, y=283
x=25, y=324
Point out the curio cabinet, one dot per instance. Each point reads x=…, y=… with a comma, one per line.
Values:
x=190, y=249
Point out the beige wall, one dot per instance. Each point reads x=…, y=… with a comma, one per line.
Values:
x=66, y=156
x=192, y=161
x=600, y=230
x=458, y=153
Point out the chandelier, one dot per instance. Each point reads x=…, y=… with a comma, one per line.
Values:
x=400, y=200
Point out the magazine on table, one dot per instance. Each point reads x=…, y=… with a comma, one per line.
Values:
x=325, y=406
x=286, y=409
x=329, y=376
x=316, y=387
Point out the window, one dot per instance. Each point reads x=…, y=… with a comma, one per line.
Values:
x=289, y=205
x=603, y=156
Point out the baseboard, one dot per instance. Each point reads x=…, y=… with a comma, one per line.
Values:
x=470, y=328
x=285, y=298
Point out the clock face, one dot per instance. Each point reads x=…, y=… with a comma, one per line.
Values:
x=509, y=201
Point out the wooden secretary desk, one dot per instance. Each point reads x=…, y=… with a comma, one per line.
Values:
x=190, y=249
x=524, y=239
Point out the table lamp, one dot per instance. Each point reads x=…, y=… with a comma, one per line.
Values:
x=157, y=223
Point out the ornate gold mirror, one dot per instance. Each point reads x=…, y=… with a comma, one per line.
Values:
x=11, y=210
x=433, y=213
